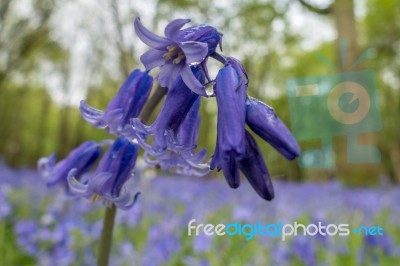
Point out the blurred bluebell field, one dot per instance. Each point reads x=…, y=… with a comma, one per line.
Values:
x=42, y=226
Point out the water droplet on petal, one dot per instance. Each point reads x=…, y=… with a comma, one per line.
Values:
x=210, y=89
x=114, y=155
x=194, y=64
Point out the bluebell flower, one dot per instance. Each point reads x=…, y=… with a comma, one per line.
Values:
x=79, y=160
x=177, y=105
x=262, y=119
x=180, y=155
x=383, y=242
x=26, y=233
x=230, y=91
x=127, y=104
x=5, y=207
x=305, y=249
x=236, y=150
x=162, y=243
x=178, y=51
x=253, y=166
x=112, y=173
x=202, y=243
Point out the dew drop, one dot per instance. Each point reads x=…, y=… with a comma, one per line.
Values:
x=210, y=89
x=194, y=64
x=114, y=155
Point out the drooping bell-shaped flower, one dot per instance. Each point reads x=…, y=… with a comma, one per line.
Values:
x=178, y=102
x=127, y=104
x=253, y=166
x=180, y=156
x=79, y=160
x=262, y=119
x=178, y=51
x=230, y=91
x=226, y=163
x=112, y=173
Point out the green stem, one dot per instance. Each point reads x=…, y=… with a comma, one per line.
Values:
x=152, y=103
x=108, y=222
x=106, y=236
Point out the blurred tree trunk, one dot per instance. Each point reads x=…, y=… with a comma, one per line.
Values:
x=64, y=132
x=64, y=125
x=395, y=159
x=42, y=126
x=25, y=43
x=343, y=14
x=14, y=141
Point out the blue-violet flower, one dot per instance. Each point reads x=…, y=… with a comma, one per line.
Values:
x=79, y=160
x=112, y=173
x=177, y=104
x=262, y=119
x=178, y=51
x=127, y=104
x=255, y=170
x=179, y=155
x=230, y=91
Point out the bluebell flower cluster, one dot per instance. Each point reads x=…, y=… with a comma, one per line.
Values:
x=170, y=142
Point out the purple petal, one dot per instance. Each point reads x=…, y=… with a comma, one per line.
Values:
x=113, y=120
x=125, y=201
x=148, y=37
x=97, y=182
x=254, y=168
x=148, y=158
x=153, y=58
x=81, y=158
x=168, y=73
x=141, y=133
x=172, y=29
x=92, y=115
x=264, y=122
x=195, y=52
x=190, y=80
x=231, y=171
x=75, y=185
x=201, y=33
x=197, y=158
x=231, y=111
x=227, y=164
x=187, y=134
x=46, y=165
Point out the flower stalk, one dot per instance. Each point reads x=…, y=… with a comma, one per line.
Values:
x=106, y=236
x=103, y=256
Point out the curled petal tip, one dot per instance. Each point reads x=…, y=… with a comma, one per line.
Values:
x=148, y=37
x=192, y=82
x=92, y=115
x=172, y=29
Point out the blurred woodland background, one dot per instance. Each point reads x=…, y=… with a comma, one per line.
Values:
x=55, y=53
